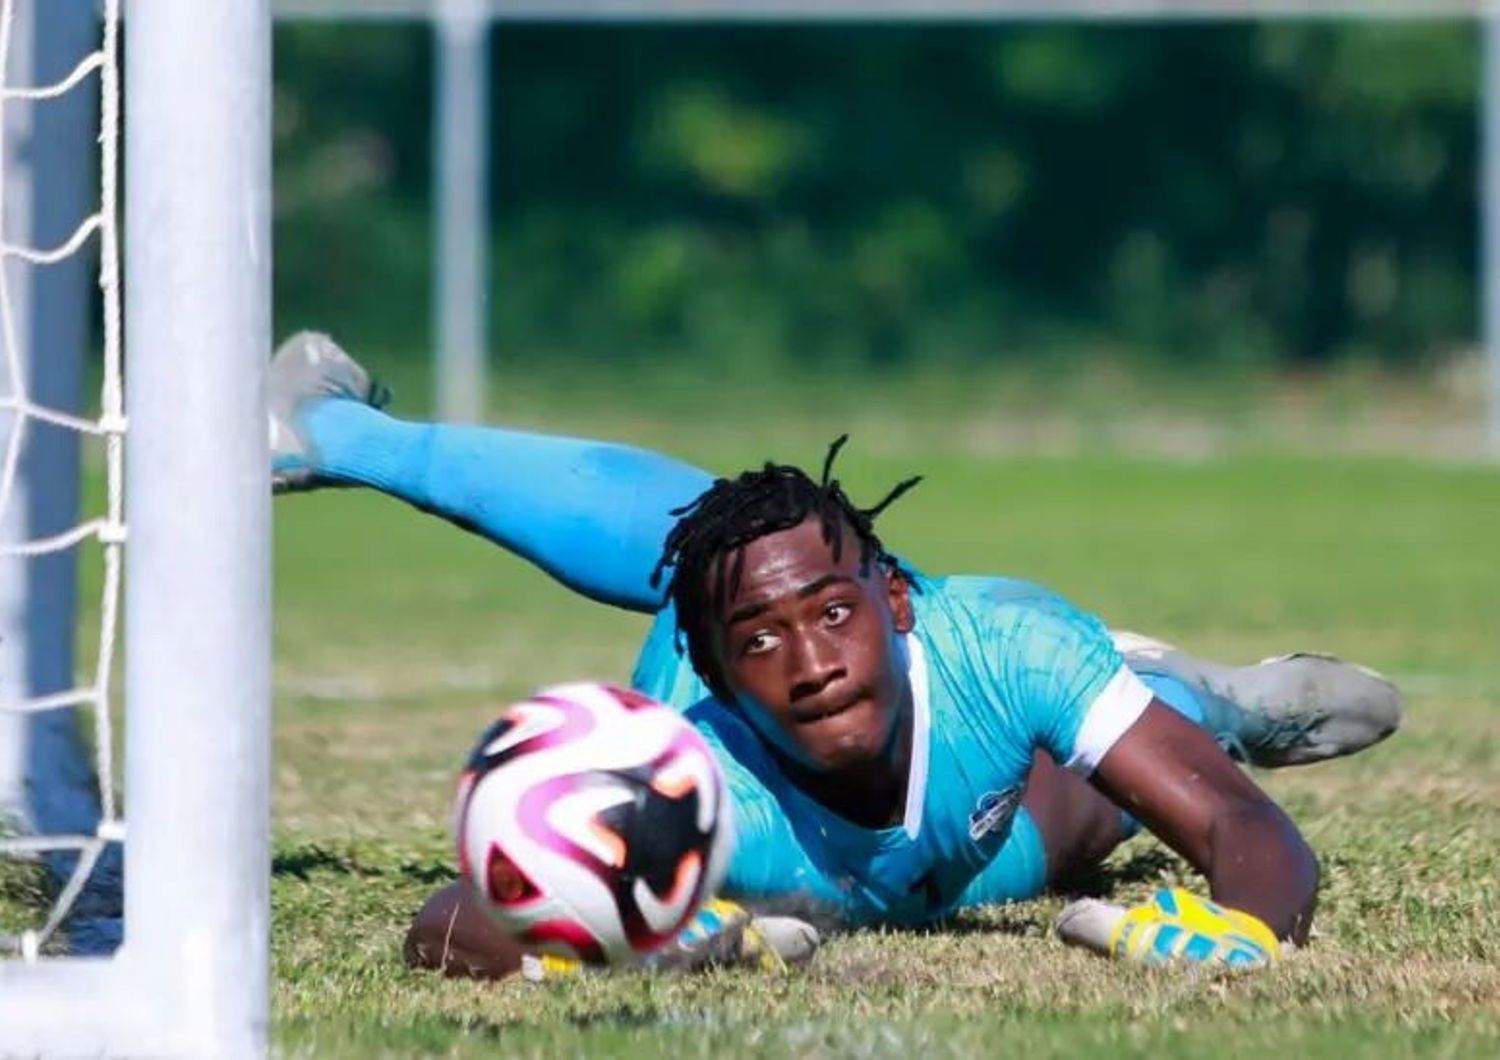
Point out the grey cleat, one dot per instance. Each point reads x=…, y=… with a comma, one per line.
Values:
x=1287, y=710
x=307, y=368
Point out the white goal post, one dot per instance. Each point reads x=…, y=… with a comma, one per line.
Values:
x=191, y=978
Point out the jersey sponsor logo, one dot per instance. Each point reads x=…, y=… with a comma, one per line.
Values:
x=994, y=812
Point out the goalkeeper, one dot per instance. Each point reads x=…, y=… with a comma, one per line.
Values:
x=898, y=746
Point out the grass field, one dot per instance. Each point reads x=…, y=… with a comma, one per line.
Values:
x=397, y=637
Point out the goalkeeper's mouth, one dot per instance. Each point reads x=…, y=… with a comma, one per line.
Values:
x=838, y=732
x=831, y=708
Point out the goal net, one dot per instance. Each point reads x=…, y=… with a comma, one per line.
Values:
x=45, y=753
x=177, y=434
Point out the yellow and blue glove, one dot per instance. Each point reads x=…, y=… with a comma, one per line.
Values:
x=1173, y=927
x=722, y=934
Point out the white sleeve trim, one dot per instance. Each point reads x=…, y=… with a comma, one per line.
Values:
x=1115, y=709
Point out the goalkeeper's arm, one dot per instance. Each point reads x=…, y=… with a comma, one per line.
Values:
x=1171, y=775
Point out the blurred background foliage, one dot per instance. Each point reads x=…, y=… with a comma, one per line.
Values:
x=1296, y=193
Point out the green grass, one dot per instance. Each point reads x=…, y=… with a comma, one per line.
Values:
x=397, y=637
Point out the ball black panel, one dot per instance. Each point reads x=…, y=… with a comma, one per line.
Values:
x=479, y=762
x=658, y=832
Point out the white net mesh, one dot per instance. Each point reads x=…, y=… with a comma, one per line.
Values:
x=19, y=413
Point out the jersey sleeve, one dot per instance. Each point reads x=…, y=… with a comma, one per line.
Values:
x=1062, y=673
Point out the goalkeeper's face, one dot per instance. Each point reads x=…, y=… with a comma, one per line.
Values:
x=811, y=647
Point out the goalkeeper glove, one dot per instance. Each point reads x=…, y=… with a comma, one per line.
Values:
x=1173, y=926
x=722, y=934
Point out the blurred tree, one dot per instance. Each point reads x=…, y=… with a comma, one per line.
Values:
x=1292, y=191
x=351, y=109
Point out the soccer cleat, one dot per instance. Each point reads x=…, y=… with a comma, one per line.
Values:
x=307, y=368
x=1283, y=711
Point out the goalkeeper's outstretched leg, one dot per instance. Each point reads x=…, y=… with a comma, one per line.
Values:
x=594, y=515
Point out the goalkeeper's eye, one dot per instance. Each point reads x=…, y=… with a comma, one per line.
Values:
x=837, y=613
x=759, y=643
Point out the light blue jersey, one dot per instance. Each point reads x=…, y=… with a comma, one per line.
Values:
x=998, y=669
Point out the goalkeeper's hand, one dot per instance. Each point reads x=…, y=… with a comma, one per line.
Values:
x=1173, y=927
x=722, y=934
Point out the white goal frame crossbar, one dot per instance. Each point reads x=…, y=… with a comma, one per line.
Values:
x=879, y=10
x=192, y=977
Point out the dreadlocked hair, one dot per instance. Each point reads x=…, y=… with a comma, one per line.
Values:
x=705, y=550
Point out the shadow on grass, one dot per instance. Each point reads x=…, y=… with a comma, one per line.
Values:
x=1143, y=866
x=473, y=1027
x=302, y=862
x=624, y=1017
x=990, y=920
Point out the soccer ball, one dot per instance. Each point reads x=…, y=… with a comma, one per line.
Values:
x=592, y=821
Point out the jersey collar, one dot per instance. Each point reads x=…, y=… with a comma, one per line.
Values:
x=921, y=717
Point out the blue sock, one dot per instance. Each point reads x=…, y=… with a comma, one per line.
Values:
x=1177, y=694
x=592, y=514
